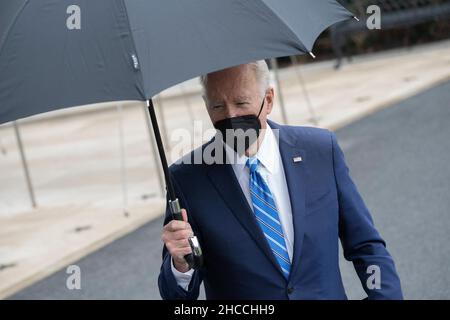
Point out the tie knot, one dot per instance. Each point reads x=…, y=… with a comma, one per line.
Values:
x=252, y=163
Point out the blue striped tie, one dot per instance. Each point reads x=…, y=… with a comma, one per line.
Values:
x=266, y=213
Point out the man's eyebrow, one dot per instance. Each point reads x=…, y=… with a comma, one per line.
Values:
x=214, y=103
x=242, y=97
x=237, y=98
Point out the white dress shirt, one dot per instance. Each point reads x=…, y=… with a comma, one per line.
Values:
x=272, y=171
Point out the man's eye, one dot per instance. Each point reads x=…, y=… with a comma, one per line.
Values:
x=241, y=103
x=217, y=106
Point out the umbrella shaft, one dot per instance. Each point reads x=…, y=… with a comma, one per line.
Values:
x=162, y=155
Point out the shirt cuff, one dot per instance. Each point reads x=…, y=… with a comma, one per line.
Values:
x=183, y=278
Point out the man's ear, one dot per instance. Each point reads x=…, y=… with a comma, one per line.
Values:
x=269, y=99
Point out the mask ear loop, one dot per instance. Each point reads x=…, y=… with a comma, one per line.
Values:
x=262, y=105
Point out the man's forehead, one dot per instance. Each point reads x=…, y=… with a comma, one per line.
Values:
x=232, y=77
x=232, y=90
x=239, y=94
x=233, y=83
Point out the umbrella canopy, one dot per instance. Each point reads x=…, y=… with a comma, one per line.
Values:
x=57, y=54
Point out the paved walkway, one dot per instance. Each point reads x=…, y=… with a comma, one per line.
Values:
x=74, y=155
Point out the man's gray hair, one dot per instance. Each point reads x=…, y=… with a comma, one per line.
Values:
x=262, y=75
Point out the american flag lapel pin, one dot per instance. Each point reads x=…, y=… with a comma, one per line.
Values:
x=297, y=159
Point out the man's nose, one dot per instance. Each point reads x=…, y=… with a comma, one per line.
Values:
x=230, y=112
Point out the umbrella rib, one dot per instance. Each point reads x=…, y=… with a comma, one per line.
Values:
x=133, y=43
x=19, y=12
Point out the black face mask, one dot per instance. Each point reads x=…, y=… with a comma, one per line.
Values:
x=243, y=130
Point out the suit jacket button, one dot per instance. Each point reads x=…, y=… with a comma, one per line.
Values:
x=290, y=290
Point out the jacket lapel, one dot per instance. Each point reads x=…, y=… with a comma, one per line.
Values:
x=295, y=178
x=224, y=180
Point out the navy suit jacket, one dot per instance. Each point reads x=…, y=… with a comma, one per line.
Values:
x=326, y=206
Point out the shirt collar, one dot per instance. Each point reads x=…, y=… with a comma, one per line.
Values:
x=267, y=154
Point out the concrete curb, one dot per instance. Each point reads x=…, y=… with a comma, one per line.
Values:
x=339, y=124
x=76, y=255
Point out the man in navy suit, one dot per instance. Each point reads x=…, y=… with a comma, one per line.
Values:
x=268, y=221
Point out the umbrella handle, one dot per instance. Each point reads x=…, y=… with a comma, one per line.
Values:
x=194, y=259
